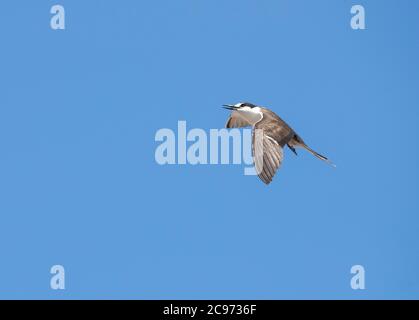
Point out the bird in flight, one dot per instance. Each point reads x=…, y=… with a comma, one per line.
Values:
x=270, y=135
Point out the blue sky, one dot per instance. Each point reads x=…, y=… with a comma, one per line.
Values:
x=80, y=187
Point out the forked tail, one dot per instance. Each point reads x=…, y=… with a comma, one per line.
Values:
x=318, y=155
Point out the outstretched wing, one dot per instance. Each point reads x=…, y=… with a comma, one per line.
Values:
x=270, y=135
x=235, y=121
x=267, y=155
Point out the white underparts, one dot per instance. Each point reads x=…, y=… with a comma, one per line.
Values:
x=250, y=115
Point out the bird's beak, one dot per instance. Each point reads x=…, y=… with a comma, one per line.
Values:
x=229, y=107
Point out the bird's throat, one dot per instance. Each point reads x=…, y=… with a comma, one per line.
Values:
x=251, y=116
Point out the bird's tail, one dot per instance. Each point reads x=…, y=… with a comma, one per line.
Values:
x=318, y=155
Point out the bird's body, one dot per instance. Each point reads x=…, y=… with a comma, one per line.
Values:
x=270, y=135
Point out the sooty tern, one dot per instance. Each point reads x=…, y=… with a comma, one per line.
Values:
x=275, y=134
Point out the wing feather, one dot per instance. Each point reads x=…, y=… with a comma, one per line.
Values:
x=267, y=155
x=235, y=121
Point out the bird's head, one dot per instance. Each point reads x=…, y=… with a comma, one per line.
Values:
x=242, y=106
x=249, y=112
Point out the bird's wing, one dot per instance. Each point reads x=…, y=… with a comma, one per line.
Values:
x=235, y=121
x=267, y=155
x=270, y=135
